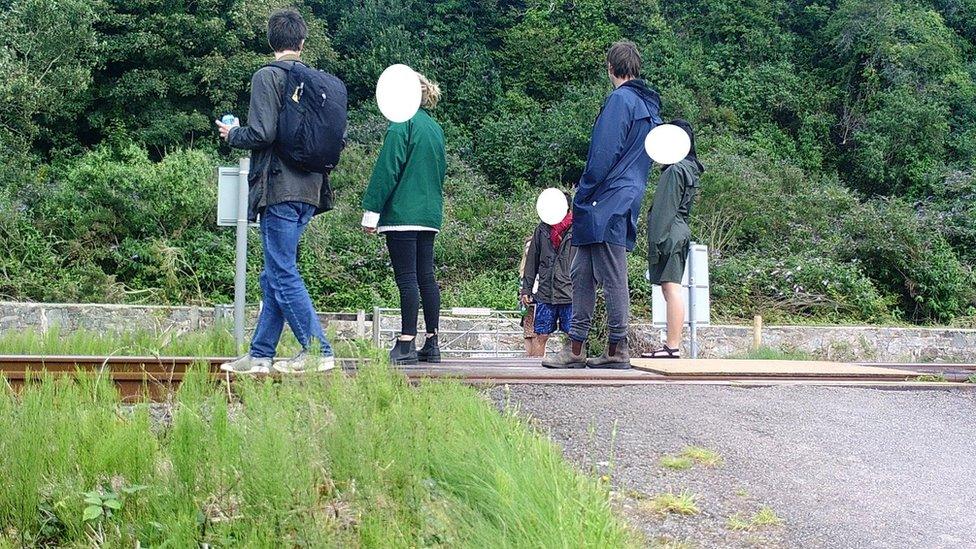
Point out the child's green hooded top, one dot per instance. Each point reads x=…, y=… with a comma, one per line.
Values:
x=407, y=186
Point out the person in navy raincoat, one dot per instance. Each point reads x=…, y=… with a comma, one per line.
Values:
x=605, y=210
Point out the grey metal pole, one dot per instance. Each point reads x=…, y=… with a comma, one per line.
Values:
x=692, y=320
x=377, y=327
x=240, y=263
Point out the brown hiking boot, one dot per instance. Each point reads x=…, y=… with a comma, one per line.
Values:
x=619, y=361
x=565, y=357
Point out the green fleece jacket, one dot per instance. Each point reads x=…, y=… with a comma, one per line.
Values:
x=407, y=186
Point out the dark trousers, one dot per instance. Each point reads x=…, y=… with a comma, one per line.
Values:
x=412, y=255
x=597, y=265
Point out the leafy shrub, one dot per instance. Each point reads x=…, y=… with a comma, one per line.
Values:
x=808, y=286
x=951, y=207
x=795, y=104
x=912, y=259
x=764, y=204
x=148, y=225
x=32, y=268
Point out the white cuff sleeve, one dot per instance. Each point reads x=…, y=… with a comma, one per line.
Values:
x=371, y=219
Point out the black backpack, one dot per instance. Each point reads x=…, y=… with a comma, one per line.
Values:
x=312, y=120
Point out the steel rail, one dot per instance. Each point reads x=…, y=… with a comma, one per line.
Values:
x=154, y=377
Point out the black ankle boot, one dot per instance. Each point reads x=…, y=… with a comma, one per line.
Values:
x=404, y=352
x=430, y=352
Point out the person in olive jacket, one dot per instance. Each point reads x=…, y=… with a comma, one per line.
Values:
x=405, y=201
x=550, y=258
x=668, y=238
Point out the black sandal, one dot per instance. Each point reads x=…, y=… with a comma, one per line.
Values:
x=663, y=352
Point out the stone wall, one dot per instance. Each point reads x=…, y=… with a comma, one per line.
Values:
x=69, y=317
x=840, y=343
x=482, y=336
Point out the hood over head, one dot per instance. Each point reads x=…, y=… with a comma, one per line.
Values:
x=648, y=94
x=693, y=152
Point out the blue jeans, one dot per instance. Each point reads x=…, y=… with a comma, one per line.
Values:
x=283, y=293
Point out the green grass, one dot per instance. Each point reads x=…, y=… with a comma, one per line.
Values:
x=689, y=456
x=215, y=341
x=932, y=378
x=683, y=503
x=769, y=353
x=702, y=456
x=737, y=523
x=677, y=463
x=971, y=378
x=321, y=461
x=763, y=518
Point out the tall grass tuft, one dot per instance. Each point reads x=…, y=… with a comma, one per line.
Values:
x=216, y=341
x=316, y=461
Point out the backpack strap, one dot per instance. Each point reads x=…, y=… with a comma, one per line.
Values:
x=284, y=66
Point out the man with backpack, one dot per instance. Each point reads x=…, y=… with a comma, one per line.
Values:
x=295, y=126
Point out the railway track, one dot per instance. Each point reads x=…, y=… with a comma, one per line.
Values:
x=153, y=377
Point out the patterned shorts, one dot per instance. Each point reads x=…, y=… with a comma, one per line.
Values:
x=550, y=317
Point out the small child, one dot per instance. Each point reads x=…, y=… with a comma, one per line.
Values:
x=550, y=258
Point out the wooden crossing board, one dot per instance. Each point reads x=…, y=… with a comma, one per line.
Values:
x=766, y=368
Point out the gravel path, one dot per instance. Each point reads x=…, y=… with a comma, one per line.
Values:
x=842, y=467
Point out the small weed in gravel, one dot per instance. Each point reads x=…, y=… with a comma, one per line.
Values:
x=703, y=456
x=678, y=504
x=971, y=379
x=932, y=378
x=677, y=463
x=737, y=523
x=689, y=456
x=763, y=518
x=665, y=542
x=766, y=517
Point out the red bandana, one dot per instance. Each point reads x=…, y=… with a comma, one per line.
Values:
x=559, y=229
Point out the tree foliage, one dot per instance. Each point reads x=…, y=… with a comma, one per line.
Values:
x=840, y=137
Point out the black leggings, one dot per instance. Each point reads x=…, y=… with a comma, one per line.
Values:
x=412, y=255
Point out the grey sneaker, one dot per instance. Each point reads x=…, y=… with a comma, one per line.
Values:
x=247, y=364
x=303, y=363
x=565, y=358
x=619, y=361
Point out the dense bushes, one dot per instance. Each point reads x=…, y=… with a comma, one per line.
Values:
x=910, y=258
x=840, y=139
x=113, y=225
x=119, y=226
x=796, y=286
x=788, y=245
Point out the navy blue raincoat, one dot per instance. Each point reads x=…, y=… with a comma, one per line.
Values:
x=609, y=196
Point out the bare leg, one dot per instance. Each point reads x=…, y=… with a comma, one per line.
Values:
x=676, y=312
x=540, y=344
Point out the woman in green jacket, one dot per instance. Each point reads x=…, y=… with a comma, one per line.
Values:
x=405, y=201
x=668, y=238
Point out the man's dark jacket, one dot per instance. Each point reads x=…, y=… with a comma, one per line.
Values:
x=608, y=199
x=552, y=266
x=271, y=181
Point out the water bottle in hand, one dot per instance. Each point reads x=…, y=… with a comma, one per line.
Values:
x=229, y=119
